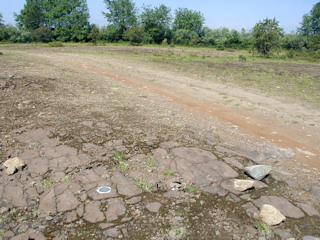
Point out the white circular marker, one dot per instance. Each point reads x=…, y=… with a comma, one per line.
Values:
x=102, y=190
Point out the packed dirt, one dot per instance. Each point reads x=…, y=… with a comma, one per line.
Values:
x=166, y=146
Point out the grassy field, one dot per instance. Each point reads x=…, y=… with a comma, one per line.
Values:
x=296, y=80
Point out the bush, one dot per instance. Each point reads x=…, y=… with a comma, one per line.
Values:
x=242, y=58
x=220, y=46
x=291, y=53
x=55, y=44
x=42, y=34
x=165, y=42
x=135, y=35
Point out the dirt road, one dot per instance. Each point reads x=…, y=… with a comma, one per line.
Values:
x=269, y=119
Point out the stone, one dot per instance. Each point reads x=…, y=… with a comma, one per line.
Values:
x=285, y=207
x=310, y=238
x=234, y=162
x=154, y=207
x=251, y=210
x=15, y=195
x=200, y=167
x=125, y=186
x=31, y=235
x=92, y=212
x=271, y=215
x=14, y=162
x=116, y=208
x=215, y=189
x=316, y=191
x=258, y=172
x=283, y=234
x=71, y=216
x=133, y=200
x=243, y=185
x=311, y=211
x=11, y=170
x=113, y=232
x=48, y=202
x=67, y=201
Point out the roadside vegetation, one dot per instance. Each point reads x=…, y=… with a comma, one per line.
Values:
x=44, y=21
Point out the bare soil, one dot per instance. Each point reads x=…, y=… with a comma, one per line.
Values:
x=74, y=91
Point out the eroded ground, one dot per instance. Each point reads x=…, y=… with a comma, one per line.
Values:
x=168, y=146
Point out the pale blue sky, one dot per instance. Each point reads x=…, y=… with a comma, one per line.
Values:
x=234, y=14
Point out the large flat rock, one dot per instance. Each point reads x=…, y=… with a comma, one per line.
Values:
x=200, y=167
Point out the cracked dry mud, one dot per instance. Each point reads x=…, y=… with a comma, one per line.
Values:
x=169, y=170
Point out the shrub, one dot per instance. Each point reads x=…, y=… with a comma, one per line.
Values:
x=242, y=58
x=135, y=35
x=165, y=42
x=41, y=34
x=55, y=44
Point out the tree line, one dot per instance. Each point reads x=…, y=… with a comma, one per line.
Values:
x=68, y=21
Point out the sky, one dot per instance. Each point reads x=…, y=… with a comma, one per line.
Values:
x=233, y=14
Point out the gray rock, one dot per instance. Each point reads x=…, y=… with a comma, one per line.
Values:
x=71, y=216
x=92, y=212
x=113, y=232
x=154, y=207
x=125, y=186
x=316, y=191
x=271, y=215
x=234, y=162
x=67, y=201
x=200, y=167
x=310, y=238
x=31, y=235
x=14, y=195
x=283, y=234
x=251, y=210
x=284, y=206
x=258, y=172
x=116, y=208
x=215, y=189
x=48, y=202
x=311, y=211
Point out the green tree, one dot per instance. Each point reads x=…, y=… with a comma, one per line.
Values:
x=311, y=22
x=122, y=14
x=67, y=19
x=267, y=37
x=135, y=35
x=94, y=34
x=156, y=22
x=188, y=20
x=1, y=20
x=31, y=16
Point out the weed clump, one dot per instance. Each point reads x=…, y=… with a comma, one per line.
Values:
x=55, y=44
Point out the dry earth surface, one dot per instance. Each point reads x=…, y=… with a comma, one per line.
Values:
x=165, y=146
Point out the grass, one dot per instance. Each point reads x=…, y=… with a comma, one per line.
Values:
x=123, y=167
x=150, y=162
x=120, y=156
x=144, y=185
x=191, y=189
x=262, y=227
x=47, y=183
x=298, y=81
x=168, y=172
x=177, y=232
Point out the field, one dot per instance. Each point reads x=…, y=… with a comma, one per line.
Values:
x=167, y=129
